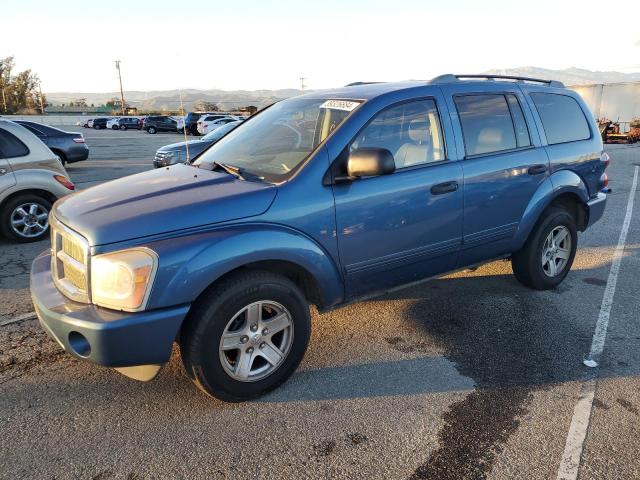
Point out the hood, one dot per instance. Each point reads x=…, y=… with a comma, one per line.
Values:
x=160, y=201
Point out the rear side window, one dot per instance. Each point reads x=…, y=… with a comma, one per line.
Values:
x=11, y=146
x=562, y=118
x=487, y=126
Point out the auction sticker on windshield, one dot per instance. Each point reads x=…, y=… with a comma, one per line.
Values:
x=345, y=105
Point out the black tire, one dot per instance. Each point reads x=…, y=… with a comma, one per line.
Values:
x=123, y=127
x=114, y=127
x=203, y=329
x=7, y=210
x=152, y=130
x=96, y=127
x=527, y=262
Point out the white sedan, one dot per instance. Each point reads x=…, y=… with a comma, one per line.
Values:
x=206, y=126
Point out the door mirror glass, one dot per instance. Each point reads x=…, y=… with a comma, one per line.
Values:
x=370, y=162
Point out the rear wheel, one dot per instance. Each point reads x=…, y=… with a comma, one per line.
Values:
x=546, y=257
x=25, y=218
x=246, y=336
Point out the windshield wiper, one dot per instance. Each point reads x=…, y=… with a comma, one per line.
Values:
x=230, y=169
x=237, y=172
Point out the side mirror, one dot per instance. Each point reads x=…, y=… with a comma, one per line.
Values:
x=370, y=162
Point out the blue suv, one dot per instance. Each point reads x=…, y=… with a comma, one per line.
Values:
x=319, y=199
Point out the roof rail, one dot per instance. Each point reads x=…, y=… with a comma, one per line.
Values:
x=354, y=84
x=451, y=78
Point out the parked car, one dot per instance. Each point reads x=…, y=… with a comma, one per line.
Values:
x=191, y=120
x=177, y=152
x=99, y=123
x=323, y=198
x=67, y=146
x=125, y=123
x=208, y=127
x=112, y=123
x=159, y=123
x=31, y=179
x=206, y=123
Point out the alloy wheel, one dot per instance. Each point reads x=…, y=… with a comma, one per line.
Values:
x=29, y=220
x=256, y=341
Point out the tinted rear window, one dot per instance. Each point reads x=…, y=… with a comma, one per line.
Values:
x=11, y=146
x=562, y=118
x=486, y=123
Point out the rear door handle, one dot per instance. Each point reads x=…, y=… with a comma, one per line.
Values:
x=445, y=187
x=537, y=169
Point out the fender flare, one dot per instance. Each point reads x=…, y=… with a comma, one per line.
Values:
x=188, y=269
x=558, y=183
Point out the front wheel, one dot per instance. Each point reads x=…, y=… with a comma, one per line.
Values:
x=123, y=127
x=547, y=255
x=246, y=336
x=151, y=130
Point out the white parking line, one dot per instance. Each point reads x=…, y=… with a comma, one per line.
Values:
x=574, y=446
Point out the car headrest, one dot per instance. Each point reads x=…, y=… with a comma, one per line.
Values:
x=419, y=130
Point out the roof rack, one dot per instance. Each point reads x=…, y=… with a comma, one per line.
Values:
x=354, y=84
x=451, y=78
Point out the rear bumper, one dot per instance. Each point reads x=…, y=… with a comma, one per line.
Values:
x=596, y=208
x=102, y=336
x=77, y=153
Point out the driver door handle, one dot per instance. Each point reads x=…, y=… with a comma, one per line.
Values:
x=537, y=169
x=445, y=187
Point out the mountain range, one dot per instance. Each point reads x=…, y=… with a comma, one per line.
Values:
x=228, y=100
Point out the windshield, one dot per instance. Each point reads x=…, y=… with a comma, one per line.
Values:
x=277, y=140
x=219, y=132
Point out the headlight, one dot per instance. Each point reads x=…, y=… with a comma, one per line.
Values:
x=122, y=280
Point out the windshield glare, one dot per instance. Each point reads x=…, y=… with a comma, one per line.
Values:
x=276, y=141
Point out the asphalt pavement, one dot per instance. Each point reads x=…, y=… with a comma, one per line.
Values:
x=467, y=376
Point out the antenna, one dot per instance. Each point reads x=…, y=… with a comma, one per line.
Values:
x=184, y=126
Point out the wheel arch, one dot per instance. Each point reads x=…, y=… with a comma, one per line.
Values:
x=196, y=264
x=564, y=189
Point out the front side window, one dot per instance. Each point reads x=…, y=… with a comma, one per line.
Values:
x=273, y=143
x=410, y=131
x=486, y=123
x=11, y=146
x=562, y=118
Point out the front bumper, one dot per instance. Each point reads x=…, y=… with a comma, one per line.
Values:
x=106, y=337
x=596, y=208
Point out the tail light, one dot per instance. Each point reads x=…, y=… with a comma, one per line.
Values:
x=79, y=140
x=605, y=158
x=65, y=182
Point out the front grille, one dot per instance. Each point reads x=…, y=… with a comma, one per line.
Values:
x=69, y=260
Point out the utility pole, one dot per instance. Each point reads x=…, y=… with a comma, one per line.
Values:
x=121, y=92
x=302, y=79
x=41, y=102
x=4, y=100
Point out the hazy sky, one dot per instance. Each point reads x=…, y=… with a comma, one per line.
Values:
x=247, y=44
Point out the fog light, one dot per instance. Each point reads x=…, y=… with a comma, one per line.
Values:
x=79, y=344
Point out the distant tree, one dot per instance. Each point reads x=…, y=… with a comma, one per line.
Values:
x=79, y=102
x=19, y=93
x=205, y=106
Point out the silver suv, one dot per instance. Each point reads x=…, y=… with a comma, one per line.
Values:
x=31, y=179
